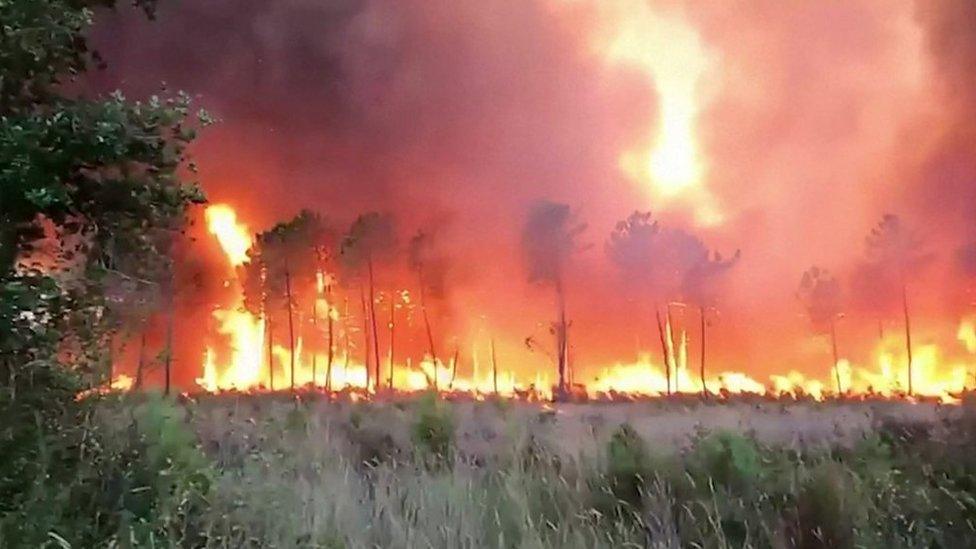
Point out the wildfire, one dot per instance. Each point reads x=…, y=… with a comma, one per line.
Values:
x=250, y=363
x=121, y=383
x=234, y=238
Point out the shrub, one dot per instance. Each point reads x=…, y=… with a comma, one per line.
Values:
x=627, y=464
x=433, y=431
x=831, y=507
x=729, y=459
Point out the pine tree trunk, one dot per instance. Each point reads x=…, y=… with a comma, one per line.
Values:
x=423, y=312
x=314, y=357
x=450, y=385
x=833, y=345
x=392, y=333
x=111, y=361
x=494, y=368
x=664, y=348
x=701, y=312
x=168, y=362
x=270, y=354
x=561, y=342
x=674, y=355
x=362, y=297
x=330, y=354
x=372, y=317
x=291, y=328
x=345, y=332
x=908, y=335
x=141, y=365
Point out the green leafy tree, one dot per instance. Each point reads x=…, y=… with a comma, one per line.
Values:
x=92, y=194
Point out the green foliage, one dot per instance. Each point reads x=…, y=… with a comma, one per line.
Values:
x=628, y=464
x=160, y=475
x=832, y=507
x=92, y=197
x=287, y=490
x=97, y=481
x=729, y=459
x=433, y=430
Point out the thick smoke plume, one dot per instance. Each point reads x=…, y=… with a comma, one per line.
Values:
x=815, y=120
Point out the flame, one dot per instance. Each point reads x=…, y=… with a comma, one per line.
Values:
x=967, y=334
x=672, y=55
x=234, y=238
x=675, y=61
x=244, y=364
x=643, y=377
x=120, y=383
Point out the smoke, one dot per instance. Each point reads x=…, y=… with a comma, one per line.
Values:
x=814, y=120
x=549, y=239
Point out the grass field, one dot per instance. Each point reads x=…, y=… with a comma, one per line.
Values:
x=421, y=472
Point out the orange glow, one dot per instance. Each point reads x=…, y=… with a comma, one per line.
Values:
x=234, y=238
x=670, y=53
x=121, y=383
x=244, y=366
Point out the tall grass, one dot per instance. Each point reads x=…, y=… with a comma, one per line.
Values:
x=239, y=471
x=359, y=475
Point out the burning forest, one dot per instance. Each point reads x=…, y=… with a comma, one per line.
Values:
x=487, y=273
x=624, y=198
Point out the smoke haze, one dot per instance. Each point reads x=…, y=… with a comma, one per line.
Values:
x=813, y=121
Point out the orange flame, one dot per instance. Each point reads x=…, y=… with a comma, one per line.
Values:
x=246, y=365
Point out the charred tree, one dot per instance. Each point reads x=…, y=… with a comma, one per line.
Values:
x=836, y=354
x=372, y=322
x=823, y=300
x=494, y=368
x=392, y=334
x=291, y=326
x=141, y=365
x=894, y=254
x=562, y=340
x=454, y=369
x=664, y=349
x=549, y=241
x=366, y=339
x=701, y=314
x=908, y=335
x=271, y=372
x=330, y=327
x=315, y=365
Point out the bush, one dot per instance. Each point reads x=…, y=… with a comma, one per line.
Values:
x=832, y=508
x=729, y=459
x=627, y=464
x=433, y=431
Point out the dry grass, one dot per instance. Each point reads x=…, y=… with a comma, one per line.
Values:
x=320, y=473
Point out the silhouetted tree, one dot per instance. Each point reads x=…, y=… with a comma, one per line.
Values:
x=667, y=265
x=700, y=287
x=549, y=240
x=426, y=261
x=282, y=270
x=823, y=301
x=894, y=254
x=371, y=239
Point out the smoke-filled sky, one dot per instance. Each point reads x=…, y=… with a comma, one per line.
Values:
x=807, y=122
